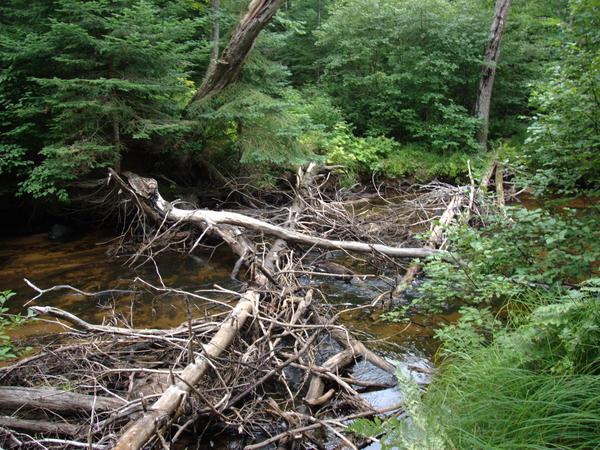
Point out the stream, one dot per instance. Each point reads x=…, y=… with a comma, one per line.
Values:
x=85, y=263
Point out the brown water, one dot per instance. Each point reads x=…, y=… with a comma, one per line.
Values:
x=84, y=263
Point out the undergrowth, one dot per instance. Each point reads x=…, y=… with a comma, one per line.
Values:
x=7, y=321
x=520, y=369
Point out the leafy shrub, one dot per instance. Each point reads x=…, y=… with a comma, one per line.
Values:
x=7, y=350
x=562, y=337
x=562, y=151
x=400, y=68
x=423, y=165
x=358, y=155
x=503, y=261
x=474, y=328
x=367, y=155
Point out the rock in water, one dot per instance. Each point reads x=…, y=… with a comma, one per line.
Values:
x=60, y=233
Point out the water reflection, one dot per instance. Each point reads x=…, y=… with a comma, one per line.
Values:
x=86, y=265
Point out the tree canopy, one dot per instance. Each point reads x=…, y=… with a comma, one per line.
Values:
x=385, y=86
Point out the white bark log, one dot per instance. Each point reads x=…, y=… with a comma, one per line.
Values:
x=210, y=218
x=168, y=405
x=434, y=241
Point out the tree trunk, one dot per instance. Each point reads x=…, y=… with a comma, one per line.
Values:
x=147, y=188
x=229, y=65
x=216, y=35
x=488, y=72
x=117, y=141
x=40, y=426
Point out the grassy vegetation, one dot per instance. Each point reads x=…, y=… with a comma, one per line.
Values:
x=520, y=369
x=7, y=321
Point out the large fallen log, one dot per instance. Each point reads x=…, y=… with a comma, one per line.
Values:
x=147, y=188
x=15, y=398
x=40, y=426
x=170, y=402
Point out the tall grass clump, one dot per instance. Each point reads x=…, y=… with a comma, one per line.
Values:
x=485, y=401
x=533, y=383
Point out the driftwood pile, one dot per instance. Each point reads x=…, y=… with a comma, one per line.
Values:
x=270, y=365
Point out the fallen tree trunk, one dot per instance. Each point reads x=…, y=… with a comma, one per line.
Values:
x=148, y=188
x=40, y=426
x=15, y=398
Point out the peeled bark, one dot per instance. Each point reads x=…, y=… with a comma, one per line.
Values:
x=488, y=73
x=230, y=64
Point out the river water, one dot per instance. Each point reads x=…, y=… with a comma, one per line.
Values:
x=86, y=263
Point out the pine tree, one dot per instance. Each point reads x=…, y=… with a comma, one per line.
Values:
x=116, y=75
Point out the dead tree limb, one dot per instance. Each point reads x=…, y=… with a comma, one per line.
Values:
x=86, y=326
x=229, y=65
x=147, y=188
x=13, y=398
x=435, y=240
x=314, y=396
x=348, y=341
x=40, y=426
x=168, y=405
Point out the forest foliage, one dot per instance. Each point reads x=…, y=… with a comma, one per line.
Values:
x=381, y=86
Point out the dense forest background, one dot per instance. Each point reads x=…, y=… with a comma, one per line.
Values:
x=381, y=87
